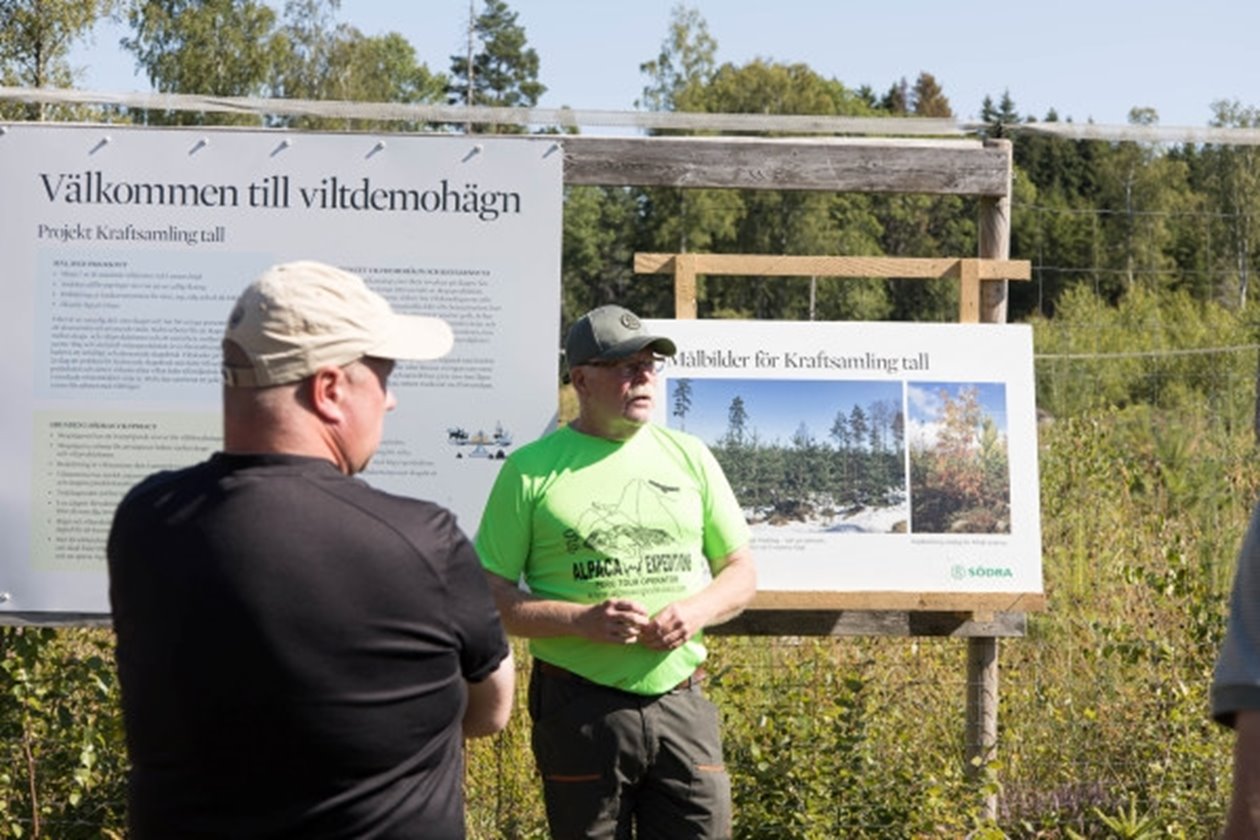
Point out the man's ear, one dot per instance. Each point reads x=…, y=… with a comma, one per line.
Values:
x=577, y=376
x=328, y=391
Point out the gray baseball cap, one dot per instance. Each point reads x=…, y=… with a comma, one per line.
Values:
x=610, y=332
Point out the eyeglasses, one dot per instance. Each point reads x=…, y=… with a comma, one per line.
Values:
x=633, y=367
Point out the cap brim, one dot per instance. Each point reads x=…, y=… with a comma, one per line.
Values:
x=414, y=338
x=658, y=343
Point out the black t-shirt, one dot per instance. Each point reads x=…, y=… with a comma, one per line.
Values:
x=292, y=647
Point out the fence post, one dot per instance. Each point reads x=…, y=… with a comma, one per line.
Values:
x=995, y=242
x=982, y=719
x=982, y=652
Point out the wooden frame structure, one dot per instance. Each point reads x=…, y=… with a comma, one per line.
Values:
x=981, y=169
x=964, y=167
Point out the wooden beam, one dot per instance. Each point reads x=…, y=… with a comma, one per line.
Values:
x=943, y=167
x=991, y=602
x=770, y=265
x=871, y=623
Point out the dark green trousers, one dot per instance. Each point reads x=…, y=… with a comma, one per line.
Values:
x=617, y=765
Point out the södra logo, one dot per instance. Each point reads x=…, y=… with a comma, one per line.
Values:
x=959, y=572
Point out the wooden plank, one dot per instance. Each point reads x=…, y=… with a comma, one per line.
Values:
x=969, y=292
x=685, y=286
x=647, y=120
x=652, y=263
x=1155, y=134
x=969, y=602
x=959, y=167
x=774, y=265
x=757, y=622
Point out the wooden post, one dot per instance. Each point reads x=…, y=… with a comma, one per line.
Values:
x=995, y=241
x=969, y=305
x=982, y=652
x=982, y=720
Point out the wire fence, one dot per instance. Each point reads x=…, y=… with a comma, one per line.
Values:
x=824, y=738
x=1103, y=705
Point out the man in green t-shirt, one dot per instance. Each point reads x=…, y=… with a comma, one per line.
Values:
x=630, y=542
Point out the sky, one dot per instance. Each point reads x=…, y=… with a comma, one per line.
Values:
x=924, y=407
x=1089, y=61
x=778, y=407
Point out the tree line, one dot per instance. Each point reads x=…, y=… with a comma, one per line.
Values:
x=1108, y=217
x=860, y=463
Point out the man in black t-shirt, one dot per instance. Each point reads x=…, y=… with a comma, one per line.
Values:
x=301, y=655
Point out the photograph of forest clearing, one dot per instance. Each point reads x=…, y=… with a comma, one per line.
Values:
x=804, y=455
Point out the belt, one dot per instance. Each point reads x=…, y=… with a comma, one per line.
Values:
x=556, y=672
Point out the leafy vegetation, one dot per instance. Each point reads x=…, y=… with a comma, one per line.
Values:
x=1104, y=726
x=35, y=43
x=63, y=760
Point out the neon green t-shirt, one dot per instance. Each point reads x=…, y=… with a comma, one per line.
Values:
x=585, y=519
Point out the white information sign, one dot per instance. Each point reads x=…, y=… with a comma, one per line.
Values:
x=869, y=457
x=123, y=249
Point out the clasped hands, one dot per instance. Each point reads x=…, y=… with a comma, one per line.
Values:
x=623, y=622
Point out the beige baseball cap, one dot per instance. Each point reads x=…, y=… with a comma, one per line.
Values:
x=300, y=316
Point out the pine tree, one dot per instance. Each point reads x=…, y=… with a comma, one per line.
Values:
x=859, y=427
x=929, y=100
x=682, y=401
x=997, y=118
x=737, y=422
x=897, y=100
x=504, y=70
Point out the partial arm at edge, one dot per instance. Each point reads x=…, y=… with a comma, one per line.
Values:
x=1243, y=822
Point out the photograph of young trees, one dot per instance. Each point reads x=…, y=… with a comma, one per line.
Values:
x=816, y=456
x=959, y=465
